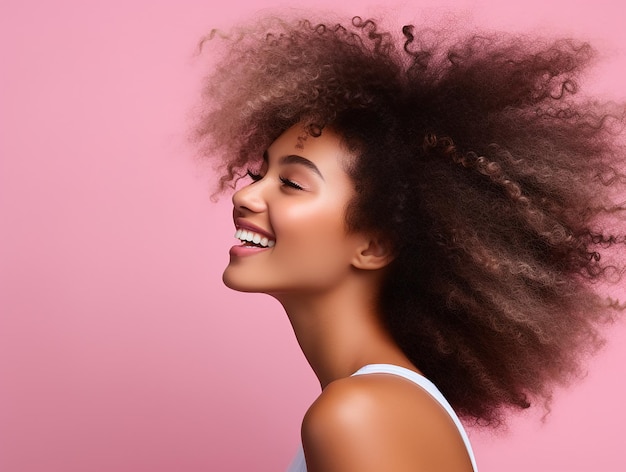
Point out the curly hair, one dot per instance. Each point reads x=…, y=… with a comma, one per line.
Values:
x=494, y=181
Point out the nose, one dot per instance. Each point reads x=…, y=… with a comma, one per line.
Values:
x=250, y=198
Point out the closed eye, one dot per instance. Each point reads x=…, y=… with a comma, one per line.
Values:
x=254, y=176
x=291, y=184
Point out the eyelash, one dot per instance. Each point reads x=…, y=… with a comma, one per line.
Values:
x=253, y=176
x=290, y=183
x=286, y=182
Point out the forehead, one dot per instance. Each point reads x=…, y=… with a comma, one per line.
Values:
x=326, y=150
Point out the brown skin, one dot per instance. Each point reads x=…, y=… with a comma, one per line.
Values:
x=380, y=422
x=328, y=281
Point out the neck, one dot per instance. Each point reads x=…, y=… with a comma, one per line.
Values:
x=340, y=331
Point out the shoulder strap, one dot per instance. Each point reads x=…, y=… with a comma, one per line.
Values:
x=430, y=388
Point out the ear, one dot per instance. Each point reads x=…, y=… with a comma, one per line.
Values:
x=375, y=253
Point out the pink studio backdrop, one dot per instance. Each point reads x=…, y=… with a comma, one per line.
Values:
x=120, y=350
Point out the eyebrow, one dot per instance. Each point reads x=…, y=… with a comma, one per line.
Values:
x=295, y=159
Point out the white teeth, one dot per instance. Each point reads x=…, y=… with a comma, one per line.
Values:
x=249, y=236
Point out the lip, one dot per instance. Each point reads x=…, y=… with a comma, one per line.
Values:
x=240, y=223
x=242, y=251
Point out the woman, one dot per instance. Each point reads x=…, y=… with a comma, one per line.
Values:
x=423, y=208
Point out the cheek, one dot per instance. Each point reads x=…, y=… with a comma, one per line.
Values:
x=314, y=236
x=312, y=224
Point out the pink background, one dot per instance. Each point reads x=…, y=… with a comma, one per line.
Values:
x=120, y=350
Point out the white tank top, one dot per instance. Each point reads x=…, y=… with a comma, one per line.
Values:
x=299, y=463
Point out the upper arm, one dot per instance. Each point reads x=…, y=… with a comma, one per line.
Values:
x=373, y=424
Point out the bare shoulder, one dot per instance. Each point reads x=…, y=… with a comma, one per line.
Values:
x=380, y=422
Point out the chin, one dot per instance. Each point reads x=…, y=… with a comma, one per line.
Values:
x=236, y=283
x=231, y=282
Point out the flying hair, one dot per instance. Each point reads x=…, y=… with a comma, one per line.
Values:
x=496, y=182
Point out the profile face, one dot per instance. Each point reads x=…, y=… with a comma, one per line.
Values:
x=294, y=213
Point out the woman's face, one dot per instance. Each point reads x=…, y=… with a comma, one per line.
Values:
x=294, y=212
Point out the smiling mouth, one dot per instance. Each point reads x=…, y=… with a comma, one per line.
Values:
x=252, y=239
